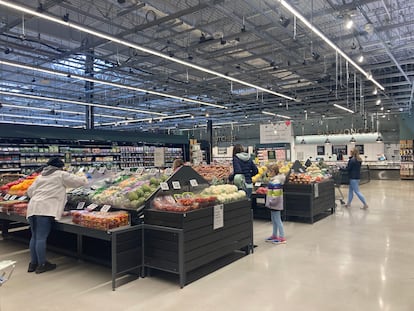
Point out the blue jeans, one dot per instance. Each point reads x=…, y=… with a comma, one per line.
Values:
x=354, y=187
x=277, y=224
x=40, y=227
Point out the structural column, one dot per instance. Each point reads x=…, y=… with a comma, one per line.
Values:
x=89, y=89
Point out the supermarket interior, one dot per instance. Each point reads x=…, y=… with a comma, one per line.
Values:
x=131, y=130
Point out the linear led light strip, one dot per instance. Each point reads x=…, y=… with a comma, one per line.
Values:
x=98, y=34
x=275, y=115
x=28, y=123
x=122, y=86
x=38, y=117
x=292, y=10
x=60, y=111
x=343, y=108
x=77, y=102
x=125, y=122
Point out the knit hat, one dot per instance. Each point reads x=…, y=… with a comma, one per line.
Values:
x=56, y=162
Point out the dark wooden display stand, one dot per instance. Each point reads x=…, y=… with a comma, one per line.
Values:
x=309, y=202
x=258, y=207
x=186, y=243
x=365, y=176
x=120, y=248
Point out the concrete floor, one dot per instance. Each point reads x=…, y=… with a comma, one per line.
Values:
x=352, y=260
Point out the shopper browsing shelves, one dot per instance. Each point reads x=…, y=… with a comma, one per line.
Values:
x=243, y=170
x=274, y=201
x=47, y=202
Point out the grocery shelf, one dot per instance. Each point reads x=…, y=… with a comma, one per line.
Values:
x=10, y=169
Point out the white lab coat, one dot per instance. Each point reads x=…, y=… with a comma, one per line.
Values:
x=48, y=192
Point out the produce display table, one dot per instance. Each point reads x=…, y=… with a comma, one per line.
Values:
x=365, y=176
x=119, y=248
x=309, y=202
x=258, y=206
x=198, y=242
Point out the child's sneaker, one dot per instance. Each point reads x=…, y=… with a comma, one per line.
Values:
x=271, y=239
x=279, y=241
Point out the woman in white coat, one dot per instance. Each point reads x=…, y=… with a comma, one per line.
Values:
x=47, y=202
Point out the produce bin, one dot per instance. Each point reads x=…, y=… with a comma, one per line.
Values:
x=309, y=202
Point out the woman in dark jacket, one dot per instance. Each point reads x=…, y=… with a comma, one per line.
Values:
x=354, y=172
x=242, y=164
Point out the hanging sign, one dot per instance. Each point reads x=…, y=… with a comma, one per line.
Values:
x=279, y=132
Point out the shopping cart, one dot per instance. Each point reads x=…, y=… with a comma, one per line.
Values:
x=337, y=177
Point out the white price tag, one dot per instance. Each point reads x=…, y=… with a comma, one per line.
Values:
x=168, y=171
x=193, y=183
x=164, y=186
x=91, y=170
x=22, y=198
x=258, y=184
x=218, y=216
x=260, y=201
x=81, y=170
x=105, y=208
x=80, y=205
x=102, y=169
x=127, y=171
x=70, y=169
x=140, y=170
x=153, y=171
x=7, y=196
x=91, y=207
x=13, y=197
x=176, y=185
x=316, y=191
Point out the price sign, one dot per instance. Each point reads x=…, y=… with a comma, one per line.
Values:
x=316, y=189
x=258, y=184
x=70, y=169
x=153, y=171
x=91, y=207
x=127, y=171
x=193, y=183
x=13, y=197
x=164, y=186
x=81, y=170
x=168, y=171
x=260, y=200
x=7, y=196
x=105, y=208
x=218, y=216
x=91, y=170
x=22, y=198
x=176, y=185
x=114, y=170
x=80, y=205
x=140, y=170
x=102, y=169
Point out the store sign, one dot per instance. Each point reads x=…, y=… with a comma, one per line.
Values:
x=280, y=132
x=218, y=216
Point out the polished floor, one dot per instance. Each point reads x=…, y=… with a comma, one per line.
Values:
x=352, y=260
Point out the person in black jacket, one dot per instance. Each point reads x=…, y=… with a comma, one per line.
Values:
x=242, y=164
x=354, y=172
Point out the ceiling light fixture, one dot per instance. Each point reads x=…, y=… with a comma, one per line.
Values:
x=375, y=91
x=149, y=120
x=348, y=22
x=275, y=115
x=60, y=111
x=43, y=98
x=296, y=13
x=114, y=39
x=378, y=102
x=360, y=58
x=343, y=108
x=122, y=86
x=379, y=139
x=40, y=117
x=303, y=142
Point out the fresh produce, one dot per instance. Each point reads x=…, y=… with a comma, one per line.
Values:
x=262, y=172
x=261, y=190
x=182, y=202
x=20, y=186
x=225, y=193
x=213, y=172
x=101, y=220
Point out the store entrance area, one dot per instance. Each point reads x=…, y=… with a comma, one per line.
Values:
x=352, y=260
